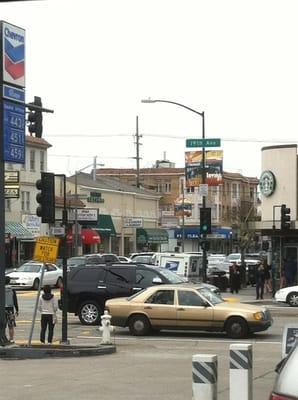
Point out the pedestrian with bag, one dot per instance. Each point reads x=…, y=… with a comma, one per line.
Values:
x=11, y=309
x=48, y=307
x=234, y=278
x=260, y=281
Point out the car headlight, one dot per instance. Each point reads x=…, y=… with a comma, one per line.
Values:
x=259, y=316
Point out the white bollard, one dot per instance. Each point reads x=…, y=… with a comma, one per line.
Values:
x=241, y=372
x=204, y=377
x=106, y=328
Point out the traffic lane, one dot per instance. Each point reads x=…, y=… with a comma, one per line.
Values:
x=138, y=370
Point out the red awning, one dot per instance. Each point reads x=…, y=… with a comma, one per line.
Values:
x=88, y=236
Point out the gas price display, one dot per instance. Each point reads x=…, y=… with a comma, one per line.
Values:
x=14, y=132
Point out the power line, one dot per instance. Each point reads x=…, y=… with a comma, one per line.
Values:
x=183, y=137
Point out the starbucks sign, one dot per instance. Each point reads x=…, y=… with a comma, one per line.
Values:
x=267, y=183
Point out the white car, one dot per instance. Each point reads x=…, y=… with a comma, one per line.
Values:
x=124, y=259
x=288, y=295
x=28, y=275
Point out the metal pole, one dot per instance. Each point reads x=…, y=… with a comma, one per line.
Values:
x=36, y=305
x=94, y=168
x=75, y=241
x=64, y=266
x=138, y=151
x=3, y=338
x=183, y=219
x=204, y=199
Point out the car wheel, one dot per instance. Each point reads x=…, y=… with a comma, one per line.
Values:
x=35, y=284
x=59, y=282
x=292, y=299
x=139, y=325
x=236, y=328
x=89, y=313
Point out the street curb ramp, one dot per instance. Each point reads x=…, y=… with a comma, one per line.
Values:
x=15, y=352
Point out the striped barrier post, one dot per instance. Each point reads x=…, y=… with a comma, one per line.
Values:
x=204, y=377
x=241, y=371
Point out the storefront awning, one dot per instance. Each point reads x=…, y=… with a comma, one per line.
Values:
x=17, y=230
x=151, y=235
x=194, y=233
x=105, y=225
x=88, y=236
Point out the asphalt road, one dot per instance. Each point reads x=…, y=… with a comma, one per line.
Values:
x=153, y=367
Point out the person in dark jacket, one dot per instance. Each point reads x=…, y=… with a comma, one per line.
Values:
x=290, y=268
x=11, y=309
x=234, y=278
x=260, y=281
x=48, y=307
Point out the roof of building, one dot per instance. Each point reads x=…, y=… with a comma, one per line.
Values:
x=117, y=172
x=70, y=203
x=38, y=142
x=109, y=183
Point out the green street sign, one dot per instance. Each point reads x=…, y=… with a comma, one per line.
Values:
x=202, y=142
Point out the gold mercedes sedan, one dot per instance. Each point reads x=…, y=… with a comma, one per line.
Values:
x=186, y=307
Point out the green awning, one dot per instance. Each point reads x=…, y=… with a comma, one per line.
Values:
x=17, y=230
x=105, y=225
x=151, y=235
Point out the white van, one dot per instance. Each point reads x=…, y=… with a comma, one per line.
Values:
x=187, y=265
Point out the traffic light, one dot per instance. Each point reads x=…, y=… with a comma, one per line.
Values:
x=46, y=197
x=285, y=218
x=205, y=220
x=205, y=245
x=35, y=118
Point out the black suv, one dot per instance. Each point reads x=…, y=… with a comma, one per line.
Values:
x=90, y=286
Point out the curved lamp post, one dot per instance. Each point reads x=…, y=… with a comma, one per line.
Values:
x=201, y=114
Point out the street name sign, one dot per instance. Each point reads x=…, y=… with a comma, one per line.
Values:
x=202, y=142
x=46, y=249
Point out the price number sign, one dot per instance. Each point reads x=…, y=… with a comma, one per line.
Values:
x=14, y=132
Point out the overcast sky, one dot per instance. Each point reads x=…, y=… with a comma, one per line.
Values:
x=92, y=61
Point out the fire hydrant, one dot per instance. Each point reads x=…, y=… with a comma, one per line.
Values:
x=106, y=328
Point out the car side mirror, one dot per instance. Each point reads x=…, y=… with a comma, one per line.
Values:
x=156, y=281
x=206, y=304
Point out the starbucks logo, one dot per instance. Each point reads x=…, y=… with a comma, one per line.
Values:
x=267, y=183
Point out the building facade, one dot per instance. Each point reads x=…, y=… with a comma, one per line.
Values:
x=232, y=203
x=278, y=186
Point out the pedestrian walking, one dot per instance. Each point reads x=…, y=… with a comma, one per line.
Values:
x=290, y=271
x=11, y=309
x=267, y=271
x=234, y=278
x=48, y=307
x=260, y=281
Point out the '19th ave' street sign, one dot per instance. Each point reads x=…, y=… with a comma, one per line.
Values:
x=202, y=142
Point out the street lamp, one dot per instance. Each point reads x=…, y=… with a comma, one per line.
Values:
x=201, y=114
x=94, y=164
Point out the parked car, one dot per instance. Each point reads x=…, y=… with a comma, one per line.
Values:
x=286, y=383
x=89, y=287
x=93, y=259
x=143, y=259
x=124, y=259
x=288, y=295
x=184, y=307
x=251, y=262
x=28, y=275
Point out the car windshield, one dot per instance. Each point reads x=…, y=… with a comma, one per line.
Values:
x=29, y=268
x=210, y=296
x=135, y=295
x=76, y=260
x=171, y=276
x=234, y=257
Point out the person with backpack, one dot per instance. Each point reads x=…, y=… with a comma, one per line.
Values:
x=48, y=307
x=11, y=309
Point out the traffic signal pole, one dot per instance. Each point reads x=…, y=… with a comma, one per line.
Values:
x=204, y=199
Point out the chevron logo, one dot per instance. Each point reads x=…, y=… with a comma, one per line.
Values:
x=14, y=59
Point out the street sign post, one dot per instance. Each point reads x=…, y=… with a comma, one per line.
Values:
x=202, y=142
x=46, y=249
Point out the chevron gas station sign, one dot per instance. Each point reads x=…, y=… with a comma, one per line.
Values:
x=13, y=54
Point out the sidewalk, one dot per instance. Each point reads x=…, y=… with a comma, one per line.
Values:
x=248, y=295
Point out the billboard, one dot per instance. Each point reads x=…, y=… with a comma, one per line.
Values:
x=194, y=167
x=13, y=54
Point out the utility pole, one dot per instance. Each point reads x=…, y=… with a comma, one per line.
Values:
x=137, y=142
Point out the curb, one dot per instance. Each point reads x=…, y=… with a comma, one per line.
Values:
x=15, y=352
